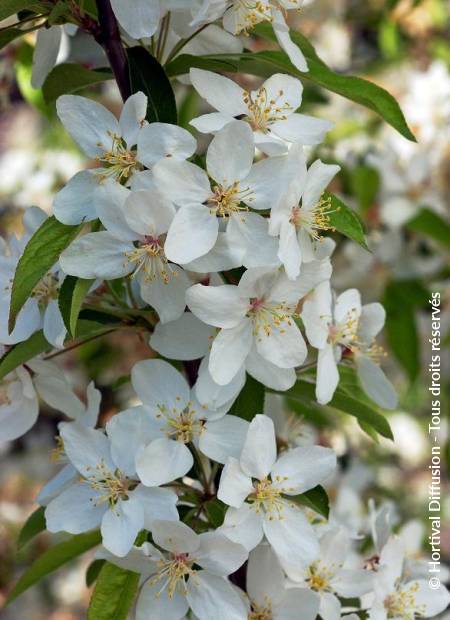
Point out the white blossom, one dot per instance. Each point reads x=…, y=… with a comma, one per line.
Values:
x=259, y=488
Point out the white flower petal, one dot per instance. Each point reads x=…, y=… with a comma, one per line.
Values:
x=244, y=526
x=162, y=141
x=175, y=536
x=159, y=385
x=235, y=485
x=375, y=383
x=54, y=328
x=89, y=123
x=327, y=375
x=168, y=298
x=75, y=510
x=265, y=577
x=221, y=306
x=281, y=31
x=223, y=438
x=192, y=234
x=220, y=92
x=153, y=604
x=218, y=555
x=139, y=18
x=97, y=255
x=163, y=461
x=158, y=504
x=303, y=468
x=132, y=117
x=45, y=53
x=268, y=374
x=213, y=597
x=182, y=182
x=295, y=599
x=120, y=526
x=236, y=138
x=75, y=202
x=86, y=448
x=260, y=449
x=210, y=123
x=292, y=537
x=229, y=351
x=318, y=178
x=187, y=338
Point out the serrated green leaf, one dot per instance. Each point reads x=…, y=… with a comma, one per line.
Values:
x=71, y=296
x=52, y=559
x=147, y=75
x=345, y=221
x=266, y=63
x=23, y=351
x=69, y=78
x=250, y=401
x=40, y=254
x=317, y=499
x=430, y=224
x=347, y=404
x=114, y=593
x=35, y=524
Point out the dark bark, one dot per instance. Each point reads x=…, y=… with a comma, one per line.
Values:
x=108, y=36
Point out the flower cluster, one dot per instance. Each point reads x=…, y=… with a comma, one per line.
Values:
x=221, y=260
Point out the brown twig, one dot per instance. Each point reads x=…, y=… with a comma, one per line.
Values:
x=108, y=36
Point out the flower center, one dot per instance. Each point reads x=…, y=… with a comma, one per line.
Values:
x=261, y=613
x=313, y=220
x=120, y=162
x=111, y=486
x=46, y=289
x=174, y=573
x=268, y=498
x=226, y=201
x=149, y=257
x=402, y=604
x=268, y=316
x=182, y=425
x=263, y=111
x=319, y=577
x=58, y=453
x=5, y=398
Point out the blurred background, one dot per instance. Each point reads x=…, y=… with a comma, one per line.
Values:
x=400, y=190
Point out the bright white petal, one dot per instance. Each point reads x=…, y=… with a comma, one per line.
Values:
x=235, y=485
x=223, y=438
x=167, y=298
x=244, y=526
x=187, y=338
x=218, y=555
x=317, y=180
x=327, y=375
x=214, y=597
x=281, y=30
x=89, y=123
x=158, y=504
x=260, y=448
x=236, y=138
x=192, y=234
x=139, y=18
x=121, y=524
x=182, y=182
x=132, y=117
x=74, y=510
x=45, y=54
x=159, y=385
x=303, y=468
x=175, y=536
x=86, y=448
x=229, y=351
x=163, y=461
x=221, y=306
x=220, y=92
x=161, y=141
x=97, y=255
x=375, y=383
x=75, y=202
x=284, y=346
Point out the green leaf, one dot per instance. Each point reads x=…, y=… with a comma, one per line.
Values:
x=147, y=75
x=430, y=224
x=347, y=404
x=71, y=297
x=401, y=299
x=215, y=511
x=11, y=7
x=69, y=78
x=250, y=401
x=317, y=499
x=53, y=558
x=265, y=64
x=364, y=183
x=40, y=254
x=8, y=35
x=23, y=351
x=345, y=220
x=114, y=593
x=93, y=571
x=35, y=524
